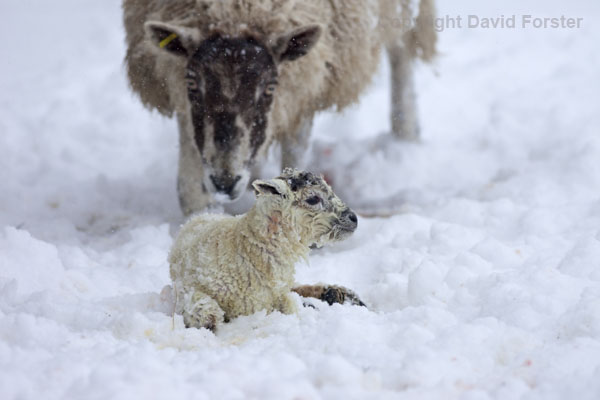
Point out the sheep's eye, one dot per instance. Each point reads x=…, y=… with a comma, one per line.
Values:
x=313, y=201
x=190, y=79
x=191, y=84
x=270, y=89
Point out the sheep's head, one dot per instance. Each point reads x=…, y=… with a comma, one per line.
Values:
x=231, y=83
x=317, y=214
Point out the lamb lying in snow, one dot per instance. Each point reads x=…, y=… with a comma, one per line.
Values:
x=224, y=266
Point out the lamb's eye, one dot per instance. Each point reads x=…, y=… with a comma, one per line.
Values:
x=313, y=201
x=270, y=89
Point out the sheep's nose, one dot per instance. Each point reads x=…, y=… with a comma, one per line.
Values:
x=225, y=183
x=349, y=218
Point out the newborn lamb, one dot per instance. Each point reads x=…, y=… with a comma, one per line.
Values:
x=224, y=266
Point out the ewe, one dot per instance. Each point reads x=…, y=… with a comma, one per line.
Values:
x=243, y=74
x=224, y=266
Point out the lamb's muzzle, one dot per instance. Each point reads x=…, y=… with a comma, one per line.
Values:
x=348, y=220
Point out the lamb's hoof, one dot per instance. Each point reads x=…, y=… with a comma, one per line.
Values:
x=191, y=321
x=308, y=305
x=341, y=295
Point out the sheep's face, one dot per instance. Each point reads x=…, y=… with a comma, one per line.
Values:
x=318, y=215
x=231, y=83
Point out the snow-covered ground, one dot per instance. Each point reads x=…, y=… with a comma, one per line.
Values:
x=480, y=261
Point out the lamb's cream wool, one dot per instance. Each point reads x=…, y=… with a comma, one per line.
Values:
x=224, y=266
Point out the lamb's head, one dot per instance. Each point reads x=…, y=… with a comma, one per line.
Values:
x=231, y=83
x=314, y=210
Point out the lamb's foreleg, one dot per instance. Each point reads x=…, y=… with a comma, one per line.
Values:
x=330, y=294
x=295, y=146
x=287, y=304
x=199, y=310
x=405, y=124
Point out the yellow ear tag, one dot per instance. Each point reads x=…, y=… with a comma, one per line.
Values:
x=167, y=40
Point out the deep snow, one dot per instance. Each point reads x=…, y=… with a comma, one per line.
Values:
x=480, y=262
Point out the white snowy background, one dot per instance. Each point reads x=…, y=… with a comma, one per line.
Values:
x=480, y=258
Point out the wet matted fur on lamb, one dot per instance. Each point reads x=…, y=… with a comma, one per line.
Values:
x=223, y=266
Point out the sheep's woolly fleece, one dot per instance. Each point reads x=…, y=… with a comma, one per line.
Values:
x=334, y=73
x=483, y=281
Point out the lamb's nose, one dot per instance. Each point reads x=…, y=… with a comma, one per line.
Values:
x=350, y=218
x=225, y=183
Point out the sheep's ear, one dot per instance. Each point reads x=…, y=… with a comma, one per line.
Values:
x=296, y=43
x=177, y=40
x=271, y=187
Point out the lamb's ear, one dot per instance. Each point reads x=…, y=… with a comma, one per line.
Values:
x=176, y=40
x=297, y=43
x=272, y=187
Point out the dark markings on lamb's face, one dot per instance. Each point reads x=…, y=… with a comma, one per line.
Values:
x=302, y=179
x=315, y=196
x=230, y=84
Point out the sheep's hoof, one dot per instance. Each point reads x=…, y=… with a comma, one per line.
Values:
x=341, y=295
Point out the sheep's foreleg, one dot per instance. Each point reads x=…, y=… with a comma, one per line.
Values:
x=193, y=196
x=294, y=146
x=330, y=294
x=404, y=107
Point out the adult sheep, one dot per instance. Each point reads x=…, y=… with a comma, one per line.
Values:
x=242, y=74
